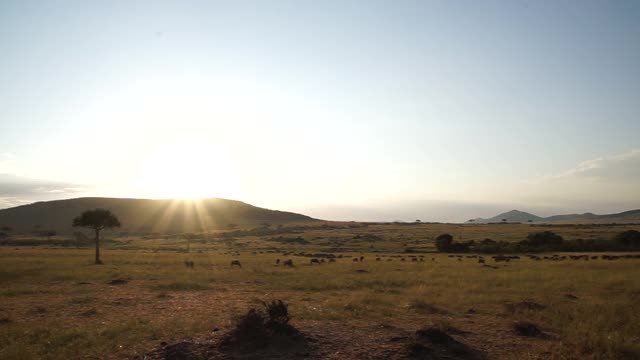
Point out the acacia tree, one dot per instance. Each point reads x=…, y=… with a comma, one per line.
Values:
x=97, y=220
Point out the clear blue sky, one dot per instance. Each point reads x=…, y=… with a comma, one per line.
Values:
x=365, y=110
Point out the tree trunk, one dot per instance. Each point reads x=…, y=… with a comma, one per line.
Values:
x=98, y=261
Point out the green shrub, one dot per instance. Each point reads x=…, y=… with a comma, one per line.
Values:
x=444, y=242
x=629, y=238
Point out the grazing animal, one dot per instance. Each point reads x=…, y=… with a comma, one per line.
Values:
x=361, y=258
x=498, y=258
x=236, y=263
x=288, y=263
x=355, y=259
x=189, y=264
x=481, y=261
x=277, y=261
x=377, y=259
x=414, y=260
x=315, y=261
x=332, y=260
x=402, y=259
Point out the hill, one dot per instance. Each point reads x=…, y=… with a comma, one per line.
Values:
x=521, y=216
x=510, y=216
x=146, y=215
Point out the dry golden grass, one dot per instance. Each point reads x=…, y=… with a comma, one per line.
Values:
x=54, y=303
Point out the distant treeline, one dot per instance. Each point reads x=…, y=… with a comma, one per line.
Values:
x=545, y=241
x=53, y=242
x=583, y=226
x=267, y=230
x=290, y=240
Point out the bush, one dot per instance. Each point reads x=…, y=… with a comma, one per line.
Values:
x=544, y=238
x=545, y=241
x=443, y=242
x=251, y=326
x=629, y=238
x=277, y=312
x=258, y=326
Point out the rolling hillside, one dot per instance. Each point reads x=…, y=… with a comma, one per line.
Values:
x=521, y=216
x=145, y=215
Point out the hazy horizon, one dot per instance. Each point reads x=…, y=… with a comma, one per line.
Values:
x=350, y=110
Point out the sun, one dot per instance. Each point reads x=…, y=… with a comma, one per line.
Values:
x=188, y=171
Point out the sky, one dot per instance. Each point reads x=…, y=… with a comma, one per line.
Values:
x=342, y=110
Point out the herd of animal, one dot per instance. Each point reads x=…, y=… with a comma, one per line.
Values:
x=318, y=259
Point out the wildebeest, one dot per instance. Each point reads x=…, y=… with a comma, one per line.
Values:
x=315, y=261
x=332, y=260
x=355, y=259
x=378, y=259
x=361, y=258
x=288, y=263
x=189, y=264
x=481, y=261
x=277, y=261
x=236, y=263
x=414, y=260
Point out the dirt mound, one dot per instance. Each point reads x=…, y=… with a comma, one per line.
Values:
x=184, y=350
x=259, y=334
x=434, y=335
x=118, y=281
x=434, y=343
x=265, y=329
x=526, y=328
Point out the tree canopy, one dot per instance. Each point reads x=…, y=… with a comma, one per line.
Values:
x=97, y=219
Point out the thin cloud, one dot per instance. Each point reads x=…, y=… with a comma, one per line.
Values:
x=16, y=190
x=623, y=167
x=604, y=184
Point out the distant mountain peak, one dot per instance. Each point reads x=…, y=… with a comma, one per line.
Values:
x=522, y=216
x=516, y=212
x=514, y=216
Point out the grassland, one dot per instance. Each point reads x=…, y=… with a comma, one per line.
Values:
x=55, y=304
